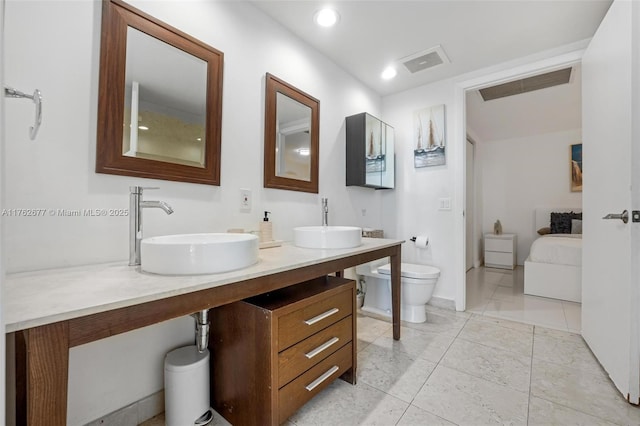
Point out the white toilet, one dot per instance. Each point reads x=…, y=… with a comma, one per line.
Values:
x=418, y=283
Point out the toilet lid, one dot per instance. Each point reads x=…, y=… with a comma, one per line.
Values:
x=411, y=270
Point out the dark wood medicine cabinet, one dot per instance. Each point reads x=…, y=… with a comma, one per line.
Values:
x=370, y=152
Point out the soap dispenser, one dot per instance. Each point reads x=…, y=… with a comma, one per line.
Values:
x=266, y=231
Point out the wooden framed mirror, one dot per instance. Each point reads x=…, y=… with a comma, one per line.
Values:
x=291, y=137
x=159, y=102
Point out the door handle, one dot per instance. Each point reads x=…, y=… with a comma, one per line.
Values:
x=624, y=216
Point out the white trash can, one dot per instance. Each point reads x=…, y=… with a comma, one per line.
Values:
x=186, y=387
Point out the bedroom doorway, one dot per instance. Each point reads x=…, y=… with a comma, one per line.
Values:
x=498, y=196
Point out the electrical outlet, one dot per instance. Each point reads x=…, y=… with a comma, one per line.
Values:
x=245, y=200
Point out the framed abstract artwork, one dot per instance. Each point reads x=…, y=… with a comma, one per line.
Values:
x=576, y=167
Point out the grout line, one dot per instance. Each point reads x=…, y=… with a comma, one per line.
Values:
x=533, y=343
x=564, y=315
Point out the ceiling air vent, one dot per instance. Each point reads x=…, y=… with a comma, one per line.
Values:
x=424, y=60
x=529, y=84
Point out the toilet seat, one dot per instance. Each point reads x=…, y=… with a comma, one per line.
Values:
x=411, y=270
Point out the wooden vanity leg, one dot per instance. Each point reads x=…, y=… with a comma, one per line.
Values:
x=45, y=365
x=395, y=292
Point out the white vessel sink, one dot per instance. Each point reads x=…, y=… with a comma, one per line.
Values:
x=327, y=237
x=191, y=254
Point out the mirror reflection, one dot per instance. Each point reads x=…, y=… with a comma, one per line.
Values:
x=159, y=100
x=293, y=140
x=291, y=137
x=163, y=122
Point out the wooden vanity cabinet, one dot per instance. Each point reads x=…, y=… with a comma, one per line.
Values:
x=273, y=352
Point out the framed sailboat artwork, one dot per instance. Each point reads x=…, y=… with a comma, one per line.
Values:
x=429, y=137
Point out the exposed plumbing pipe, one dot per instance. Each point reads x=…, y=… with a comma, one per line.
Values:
x=202, y=329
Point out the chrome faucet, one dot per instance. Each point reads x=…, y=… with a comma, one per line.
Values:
x=325, y=212
x=135, y=220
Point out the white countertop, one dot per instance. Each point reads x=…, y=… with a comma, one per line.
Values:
x=32, y=299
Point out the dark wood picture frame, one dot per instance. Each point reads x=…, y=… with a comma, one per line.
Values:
x=274, y=86
x=116, y=17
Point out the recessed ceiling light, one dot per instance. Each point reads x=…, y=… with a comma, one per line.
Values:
x=326, y=17
x=143, y=128
x=389, y=72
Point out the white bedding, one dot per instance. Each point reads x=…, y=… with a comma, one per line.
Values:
x=562, y=249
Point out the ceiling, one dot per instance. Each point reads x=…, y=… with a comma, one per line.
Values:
x=550, y=110
x=371, y=35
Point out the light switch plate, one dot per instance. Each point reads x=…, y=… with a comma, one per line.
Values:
x=445, y=204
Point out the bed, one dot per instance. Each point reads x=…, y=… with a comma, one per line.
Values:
x=554, y=266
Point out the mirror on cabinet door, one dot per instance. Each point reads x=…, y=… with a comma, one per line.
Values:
x=160, y=100
x=370, y=152
x=291, y=137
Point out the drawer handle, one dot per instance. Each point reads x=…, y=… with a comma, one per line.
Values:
x=321, y=348
x=311, y=386
x=322, y=316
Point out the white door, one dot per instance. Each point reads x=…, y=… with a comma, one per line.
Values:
x=468, y=211
x=609, y=284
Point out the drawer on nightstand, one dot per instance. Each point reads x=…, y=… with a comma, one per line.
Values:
x=498, y=244
x=498, y=258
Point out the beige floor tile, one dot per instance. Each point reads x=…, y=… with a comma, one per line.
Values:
x=467, y=400
x=439, y=323
x=520, y=326
x=369, y=329
x=593, y=394
x=529, y=309
x=545, y=413
x=415, y=416
x=492, y=364
x=559, y=334
x=417, y=344
x=569, y=352
x=497, y=336
x=393, y=371
x=450, y=312
x=345, y=404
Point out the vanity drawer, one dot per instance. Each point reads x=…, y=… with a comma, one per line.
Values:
x=305, y=387
x=302, y=323
x=302, y=356
x=498, y=244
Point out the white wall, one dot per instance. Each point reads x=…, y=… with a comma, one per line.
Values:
x=412, y=209
x=61, y=58
x=521, y=174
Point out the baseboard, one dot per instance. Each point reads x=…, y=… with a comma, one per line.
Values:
x=134, y=414
x=442, y=303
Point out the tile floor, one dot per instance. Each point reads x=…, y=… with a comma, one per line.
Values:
x=500, y=293
x=464, y=368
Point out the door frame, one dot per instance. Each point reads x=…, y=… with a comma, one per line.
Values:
x=474, y=212
x=508, y=72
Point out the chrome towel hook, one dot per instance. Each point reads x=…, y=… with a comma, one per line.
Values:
x=37, y=99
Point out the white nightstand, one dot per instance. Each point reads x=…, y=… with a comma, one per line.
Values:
x=500, y=250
